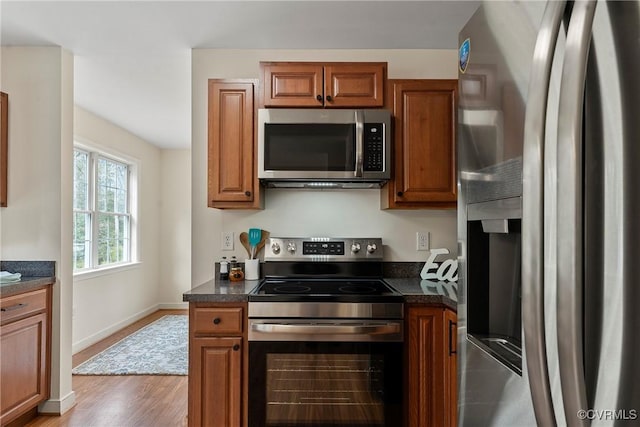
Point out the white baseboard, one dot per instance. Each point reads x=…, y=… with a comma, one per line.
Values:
x=58, y=406
x=100, y=335
x=174, y=306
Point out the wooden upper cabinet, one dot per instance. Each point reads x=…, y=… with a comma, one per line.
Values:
x=292, y=85
x=354, y=85
x=232, y=178
x=424, y=120
x=329, y=85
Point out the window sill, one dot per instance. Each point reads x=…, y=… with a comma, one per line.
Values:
x=97, y=272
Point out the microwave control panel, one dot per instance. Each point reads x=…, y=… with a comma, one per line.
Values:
x=373, y=147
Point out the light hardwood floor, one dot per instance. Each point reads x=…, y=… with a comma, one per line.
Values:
x=124, y=400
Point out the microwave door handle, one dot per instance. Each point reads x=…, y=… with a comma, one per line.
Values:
x=359, y=142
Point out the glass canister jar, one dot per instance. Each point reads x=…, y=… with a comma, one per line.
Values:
x=236, y=274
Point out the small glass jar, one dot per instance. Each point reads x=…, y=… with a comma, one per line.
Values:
x=236, y=274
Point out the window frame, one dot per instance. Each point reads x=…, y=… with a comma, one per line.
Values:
x=92, y=268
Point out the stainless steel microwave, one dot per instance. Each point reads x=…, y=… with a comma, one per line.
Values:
x=324, y=148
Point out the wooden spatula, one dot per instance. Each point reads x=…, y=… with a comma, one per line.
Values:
x=263, y=240
x=244, y=239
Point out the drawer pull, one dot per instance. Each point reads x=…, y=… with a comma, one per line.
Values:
x=236, y=347
x=216, y=321
x=14, y=307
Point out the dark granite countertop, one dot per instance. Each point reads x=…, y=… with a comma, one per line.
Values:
x=25, y=284
x=35, y=274
x=221, y=291
x=414, y=289
x=418, y=291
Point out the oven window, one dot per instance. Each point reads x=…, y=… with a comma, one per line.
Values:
x=325, y=384
x=309, y=147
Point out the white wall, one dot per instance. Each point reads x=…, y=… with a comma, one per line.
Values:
x=105, y=303
x=175, y=220
x=37, y=223
x=309, y=212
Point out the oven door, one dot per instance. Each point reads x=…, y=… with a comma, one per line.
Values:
x=299, y=383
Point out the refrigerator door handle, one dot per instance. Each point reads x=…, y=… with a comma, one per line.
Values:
x=570, y=218
x=534, y=167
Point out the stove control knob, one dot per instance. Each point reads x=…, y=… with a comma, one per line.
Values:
x=355, y=247
x=371, y=248
x=291, y=247
x=275, y=248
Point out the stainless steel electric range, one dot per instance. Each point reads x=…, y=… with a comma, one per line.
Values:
x=325, y=336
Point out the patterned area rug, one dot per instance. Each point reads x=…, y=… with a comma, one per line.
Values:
x=159, y=348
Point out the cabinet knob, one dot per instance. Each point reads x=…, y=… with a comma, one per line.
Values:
x=329, y=98
x=236, y=347
x=400, y=193
x=247, y=193
x=319, y=98
x=216, y=321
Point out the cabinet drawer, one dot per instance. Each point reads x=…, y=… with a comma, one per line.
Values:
x=22, y=305
x=218, y=321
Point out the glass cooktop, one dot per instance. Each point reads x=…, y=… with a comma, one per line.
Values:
x=348, y=290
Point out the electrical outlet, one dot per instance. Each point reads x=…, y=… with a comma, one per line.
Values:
x=227, y=240
x=422, y=240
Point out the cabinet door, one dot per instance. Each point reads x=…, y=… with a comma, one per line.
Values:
x=354, y=85
x=451, y=403
x=231, y=176
x=431, y=366
x=292, y=85
x=23, y=366
x=425, y=379
x=215, y=366
x=424, y=114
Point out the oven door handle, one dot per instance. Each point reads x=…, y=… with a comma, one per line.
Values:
x=334, y=328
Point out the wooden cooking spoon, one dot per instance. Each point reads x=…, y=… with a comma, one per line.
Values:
x=244, y=239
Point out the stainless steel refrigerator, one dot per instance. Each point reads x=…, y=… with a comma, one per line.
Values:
x=549, y=214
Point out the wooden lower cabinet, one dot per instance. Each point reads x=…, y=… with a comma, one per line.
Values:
x=217, y=365
x=24, y=352
x=430, y=342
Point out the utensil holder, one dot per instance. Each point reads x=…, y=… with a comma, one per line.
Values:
x=251, y=269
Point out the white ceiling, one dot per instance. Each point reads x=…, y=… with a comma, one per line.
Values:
x=133, y=58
